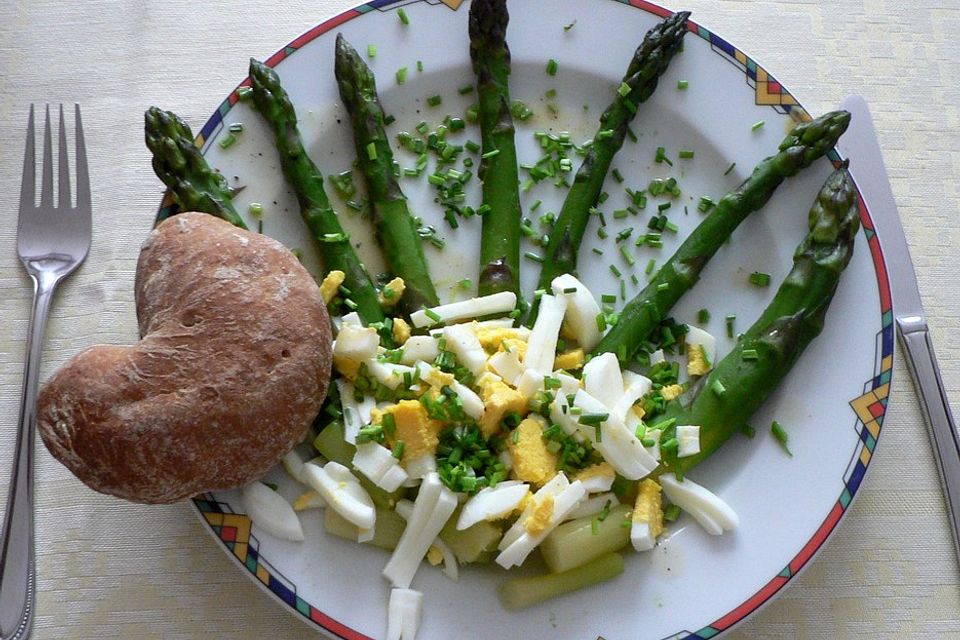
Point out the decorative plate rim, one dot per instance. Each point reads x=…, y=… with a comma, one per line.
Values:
x=233, y=530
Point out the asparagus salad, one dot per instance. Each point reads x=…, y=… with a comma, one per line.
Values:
x=494, y=428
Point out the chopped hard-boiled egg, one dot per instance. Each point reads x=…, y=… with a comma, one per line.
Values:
x=582, y=310
x=653, y=436
x=330, y=286
x=469, y=400
x=671, y=392
x=593, y=505
x=596, y=478
x=603, y=380
x=502, y=302
x=414, y=428
x=403, y=614
x=356, y=343
x=657, y=357
x=532, y=461
x=647, y=516
x=400, y=331
x=544, y=511
x=507, y=365
x=570, y=360
x=701, y=351
x=635, y=387
x=355, y=414
x=342, y=492
x=387, y=373
x=431, y=510
x=713, y=514
x=529, y=383
x=425, y=348
x=293, y=464
x=463, y=342
x=688, y=437
x=498, y=400
x=391, y=292
x=542, y=343
x=379, y=465
x=309, y=500
x=493, y=338
x=492, y=503
x=269, y=511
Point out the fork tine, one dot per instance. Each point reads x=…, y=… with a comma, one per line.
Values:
x=28, y=185
x=46, y=180
x=63, y=175
x=83, y=173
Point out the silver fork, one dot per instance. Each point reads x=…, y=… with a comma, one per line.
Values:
x=52, y=241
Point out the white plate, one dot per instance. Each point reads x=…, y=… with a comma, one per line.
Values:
x=693, y=585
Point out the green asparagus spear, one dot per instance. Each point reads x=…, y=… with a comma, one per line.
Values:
x=649, y=62
x=395, y=226
x=795, y=316
x=500, y=233
x=179, y=164
x=806, y=143
x=307, y=181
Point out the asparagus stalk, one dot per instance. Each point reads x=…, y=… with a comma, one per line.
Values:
x=795, y=316
x=500, y=233
x=395, y=226
x=179, y=164
x=649, y=62
x=806, y=143
x=517, y=593
x=307, y=181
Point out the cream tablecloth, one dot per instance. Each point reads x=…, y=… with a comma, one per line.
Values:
x=109, y=569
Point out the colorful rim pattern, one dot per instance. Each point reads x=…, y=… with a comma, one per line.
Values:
x=233, y=529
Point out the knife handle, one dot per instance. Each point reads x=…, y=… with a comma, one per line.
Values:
x=915, y=337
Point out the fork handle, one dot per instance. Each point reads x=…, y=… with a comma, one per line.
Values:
x=17, y=559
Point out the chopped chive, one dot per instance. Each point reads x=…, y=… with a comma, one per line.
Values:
x=703, y=316
x=435, y=100
x=617, y=175
x=398, y=448
x=615, y=271
x=651, y=264
x=255, y=209
x=490, y=154
x=349, y=303
x=569, y=26
x=372, y=50
x=718, y=388
x=404, y=18
x=756, y=125
x=419, y=65
x=465, y=89
x=730, y=318
x=670, y=445
x=552, y=67
x=624, y=89
x=472, y=146
x=620, y=214
x=334, y=238
x=601, y=322
x=671, y=512
x=706, y=204
x=626, y=255
x=433, y=315
x=760, y=279
x=401, y=75
x=682, y=84
x=593, y=418
x=245, y=93
x=748, y=431
x=661, y=157
x=663, y=206
x=372, y=151
x=236, y=127
x=630, y=134
x=663, y=286
x=423, y=127
x=608, y=298
x=599, y=252
x=685, y=154
x=781, y=436
x=671, y=227
x=750, y=354
x=227, y=141
x=730, y=168
x=532, y=256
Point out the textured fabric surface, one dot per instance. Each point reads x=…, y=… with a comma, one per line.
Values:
x=108, y=569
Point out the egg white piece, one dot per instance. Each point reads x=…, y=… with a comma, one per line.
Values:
x=309, y=500
x=641, y=537
x=593, y=505
x=387, y=373
x=350, y=409
x=431, y=510
x=603, y=380
x=654, y=449
x=582, y=310
x=451, y=568
x=529, y=383
x=542, y=344
x=635, y=387
x=356, y=343
x=463, y=342
x=568, y=384
x=491, y=503
x=507, y=365
x=269, y=511
x=502, y=302
x=425, y=348
x=421, y=465
x=706, y=507
x=598, y=483
x=657, y=356
x=403, y=614
x=350, y=319
x=472, y=403
x=697, y=337
x=293, y=463
x=377, y=462
x=495, y=323
x=688, y=438
x=342, y=492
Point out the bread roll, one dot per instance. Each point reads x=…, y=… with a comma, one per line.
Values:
x=232, y=368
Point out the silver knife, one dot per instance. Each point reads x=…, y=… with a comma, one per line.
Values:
x=859, y=144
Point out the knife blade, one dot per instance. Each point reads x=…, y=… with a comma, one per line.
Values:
x=860, y=145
